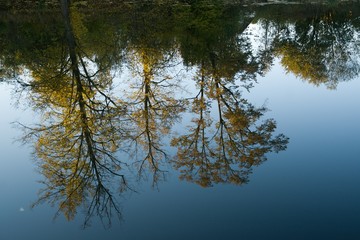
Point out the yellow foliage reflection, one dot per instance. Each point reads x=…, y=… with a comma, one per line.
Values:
x=81, y=130
x=239, y=141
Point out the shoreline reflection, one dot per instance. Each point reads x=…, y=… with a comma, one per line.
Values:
x=71, y=69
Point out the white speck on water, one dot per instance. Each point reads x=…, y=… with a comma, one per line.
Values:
x=21, y=209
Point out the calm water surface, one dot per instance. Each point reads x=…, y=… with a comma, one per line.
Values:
x=216, y=123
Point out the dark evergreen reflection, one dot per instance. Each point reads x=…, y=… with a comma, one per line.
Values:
x=97, y=130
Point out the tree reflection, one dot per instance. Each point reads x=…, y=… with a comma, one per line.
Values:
x=82, y=130
x=88, y=119
x=239, y=141
x=225, y=60
x=319, y=45
x=153, y=105
x=216, y=33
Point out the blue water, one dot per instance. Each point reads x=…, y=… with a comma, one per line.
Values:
x=309, y=191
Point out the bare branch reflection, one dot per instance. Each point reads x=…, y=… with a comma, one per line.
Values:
x=239, y=142
x=153, y=105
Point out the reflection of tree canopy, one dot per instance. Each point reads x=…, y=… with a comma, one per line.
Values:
x=150, y=97
x=87, y=118
x=239, y=141
x=320, y=47
x=152, y=104
x=222, y=57
x=316, y=43
x=216, y=30
x=323, y=50
x=82, y=128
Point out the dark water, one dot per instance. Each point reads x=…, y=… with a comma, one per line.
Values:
x=173, y=122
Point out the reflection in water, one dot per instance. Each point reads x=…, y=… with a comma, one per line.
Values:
x=153, y=106
x=322, y=50
x=239, y=141
x=81, y=129
x=320, y=45
x=87, y=119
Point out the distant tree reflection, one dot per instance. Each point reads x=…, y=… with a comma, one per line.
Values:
x=319, y=45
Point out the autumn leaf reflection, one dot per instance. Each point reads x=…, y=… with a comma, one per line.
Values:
x=319, y=45
x=239, y=142
x=95, y=133
x=82, y=128
x=152, y=105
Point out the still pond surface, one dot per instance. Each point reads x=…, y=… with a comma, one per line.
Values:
x=181, y=122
